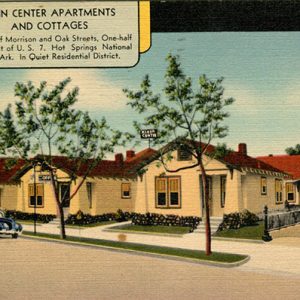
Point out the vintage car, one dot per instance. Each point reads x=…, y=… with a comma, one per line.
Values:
x=9, y=226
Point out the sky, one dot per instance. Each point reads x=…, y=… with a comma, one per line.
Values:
x=261, y=70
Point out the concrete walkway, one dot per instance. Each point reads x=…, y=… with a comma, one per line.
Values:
x=273, y=257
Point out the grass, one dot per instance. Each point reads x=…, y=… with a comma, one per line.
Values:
x=30, y=222
x=193, y=254
x=92, y=224
x=157, y=228
x=249, y=232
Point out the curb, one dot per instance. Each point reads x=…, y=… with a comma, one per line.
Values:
x=140, y=253
x=238, y=240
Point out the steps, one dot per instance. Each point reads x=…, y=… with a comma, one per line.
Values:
x=214, y=225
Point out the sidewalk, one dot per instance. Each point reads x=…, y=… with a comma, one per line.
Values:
x=274, y=258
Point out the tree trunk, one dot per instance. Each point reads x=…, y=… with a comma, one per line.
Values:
x=62, y=221
x=207, y=210
x=59, y=206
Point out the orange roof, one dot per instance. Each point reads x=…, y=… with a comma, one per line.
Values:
x=287, y=163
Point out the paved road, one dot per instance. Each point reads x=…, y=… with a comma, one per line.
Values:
x=277, y=257
x=45, y=270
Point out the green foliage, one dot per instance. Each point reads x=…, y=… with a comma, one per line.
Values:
x=293, y=150
x=46, y=122
x=153, y=219
x=85, y=219
x=182, y=112
x=19, y=215
x=238, y=220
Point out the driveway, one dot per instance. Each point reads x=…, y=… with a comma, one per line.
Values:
x=33, y=269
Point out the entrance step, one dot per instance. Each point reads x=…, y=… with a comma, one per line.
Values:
x=214, y=225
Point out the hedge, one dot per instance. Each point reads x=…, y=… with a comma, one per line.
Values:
x=29, y=216
x=167, y=220
x=83, y=219
x=238, y=219
x=138, y=219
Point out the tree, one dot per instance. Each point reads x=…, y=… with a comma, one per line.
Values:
x=44, y=124
x=190, y=119
x=293, y=150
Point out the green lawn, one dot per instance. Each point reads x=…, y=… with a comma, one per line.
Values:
x=92, y=224
x=193, y=254
x=30, y=222
x=156, y=229
x=250, y=232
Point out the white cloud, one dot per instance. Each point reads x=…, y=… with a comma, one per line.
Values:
x=95, y=91
x=247, y=101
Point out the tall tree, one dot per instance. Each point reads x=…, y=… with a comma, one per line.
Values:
x=190, y=117
x=293, y=150
x=43, y=124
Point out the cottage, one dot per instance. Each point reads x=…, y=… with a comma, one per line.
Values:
x=236, y=182
x=289, y=164
x=137, y=183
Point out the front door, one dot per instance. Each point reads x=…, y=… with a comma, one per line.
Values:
x=64, y=194
x=210, y=199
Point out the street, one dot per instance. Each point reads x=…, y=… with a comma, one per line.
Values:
x=32, y=269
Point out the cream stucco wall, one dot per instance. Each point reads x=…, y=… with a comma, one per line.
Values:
x=254, y=200
x=106, y=196
x=9, y=196
x=191, y=201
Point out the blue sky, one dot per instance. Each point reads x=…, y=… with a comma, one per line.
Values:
x=261, y=71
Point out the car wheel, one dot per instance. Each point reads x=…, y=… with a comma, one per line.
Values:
x=14, y=235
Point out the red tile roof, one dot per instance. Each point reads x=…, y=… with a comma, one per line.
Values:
x=104, y=168
x=237, y=159
x=287, y=163
x=7, y=173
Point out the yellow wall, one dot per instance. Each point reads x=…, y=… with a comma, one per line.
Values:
x=254, y=201
x=106, y=197
x=8, y=196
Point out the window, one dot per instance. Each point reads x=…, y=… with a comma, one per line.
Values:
x=89, y=190
x=290, y=193
x=223, y=190
x=263, y=185
x=278, y=191
x=39, y=194
x=183, y=154
x=125, y=190
x=167, y=191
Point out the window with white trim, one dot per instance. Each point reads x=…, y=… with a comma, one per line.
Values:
x=89, y=190
x=278, y=190
x=167, y=191
x=290, y=191
x=263, y=185
x=223, y=190
x=39, y=194
x=126, y=190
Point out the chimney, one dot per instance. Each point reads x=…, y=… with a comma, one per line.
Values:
x=129, y=154
x=119, y=158
x=243, y=148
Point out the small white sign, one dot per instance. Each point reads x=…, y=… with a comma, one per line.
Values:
x=69, y=34
x=148, y=133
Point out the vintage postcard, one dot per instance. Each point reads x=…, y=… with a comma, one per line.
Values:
x=149, y=149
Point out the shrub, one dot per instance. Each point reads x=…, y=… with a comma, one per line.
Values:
x=29, y=216
x=167, y=220
x=238, y=220
x=83, y=219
